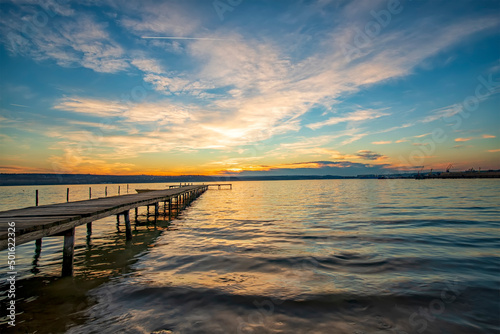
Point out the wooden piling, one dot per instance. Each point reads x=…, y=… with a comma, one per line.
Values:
x=157, y=213
x=38, y=244
x=106, y=191
x=90, y=192
x=68, y=252
x=67, y=194
x=169, y=208
x=136, y=214
x=89, y=228
x=36, y=197
x=128, y=229
x=118, y=190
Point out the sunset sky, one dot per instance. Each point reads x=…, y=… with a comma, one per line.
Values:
x=249, y=87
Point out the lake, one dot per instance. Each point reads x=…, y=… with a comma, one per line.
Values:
x=325, y=256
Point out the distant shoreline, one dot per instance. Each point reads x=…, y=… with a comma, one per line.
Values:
x=72, y=179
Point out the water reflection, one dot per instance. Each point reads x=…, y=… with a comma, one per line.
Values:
x=336, y=256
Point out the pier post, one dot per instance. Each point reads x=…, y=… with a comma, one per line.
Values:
x=38, y=245
x=89, y=229
x=176, y=205
x=106, y=191
x=36, y=197
x=67, y=194
x=127, y=188
x=157, y=213
x=68, y=252
x=136, y=214
x=118, y=190
x=128, y=229
x=118, y=222
x=169, y=208
x=90, y=192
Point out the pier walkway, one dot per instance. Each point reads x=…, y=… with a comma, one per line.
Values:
x=34, y=223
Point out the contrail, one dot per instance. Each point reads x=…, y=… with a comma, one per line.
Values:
x=173, y=37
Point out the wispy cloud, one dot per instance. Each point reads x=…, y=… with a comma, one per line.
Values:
x=184, y=38
x=81, y=41
x=472, y=138
x=357, y=116
x=94, y=107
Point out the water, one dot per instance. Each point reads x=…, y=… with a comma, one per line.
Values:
x=329, y=256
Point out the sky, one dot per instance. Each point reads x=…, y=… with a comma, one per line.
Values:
x=240, y=87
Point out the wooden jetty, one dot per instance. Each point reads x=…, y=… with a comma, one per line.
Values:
x=220, y=185
x=34, y=223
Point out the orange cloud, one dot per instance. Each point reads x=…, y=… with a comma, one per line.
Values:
x=489, y=136
x=494, y=151
x=381, y=142
x=423, y=135
x=462, y=139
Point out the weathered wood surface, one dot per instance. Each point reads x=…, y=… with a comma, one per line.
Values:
x=41, y=221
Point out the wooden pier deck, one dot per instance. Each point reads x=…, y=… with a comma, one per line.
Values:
x=34, y=223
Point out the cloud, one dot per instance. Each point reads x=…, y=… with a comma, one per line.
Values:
x=79, y=41
x=343, y=168
x=422, y=135
x=488, y=136
x=462, y=146
x=463, y=139
x=370, y=155
x=494, y=151
x=158, y=19
x=147, y=65
x=357, y=116
x=383, y=142
x=94, y=107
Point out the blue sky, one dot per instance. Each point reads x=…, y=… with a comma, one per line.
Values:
x=249, y=87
